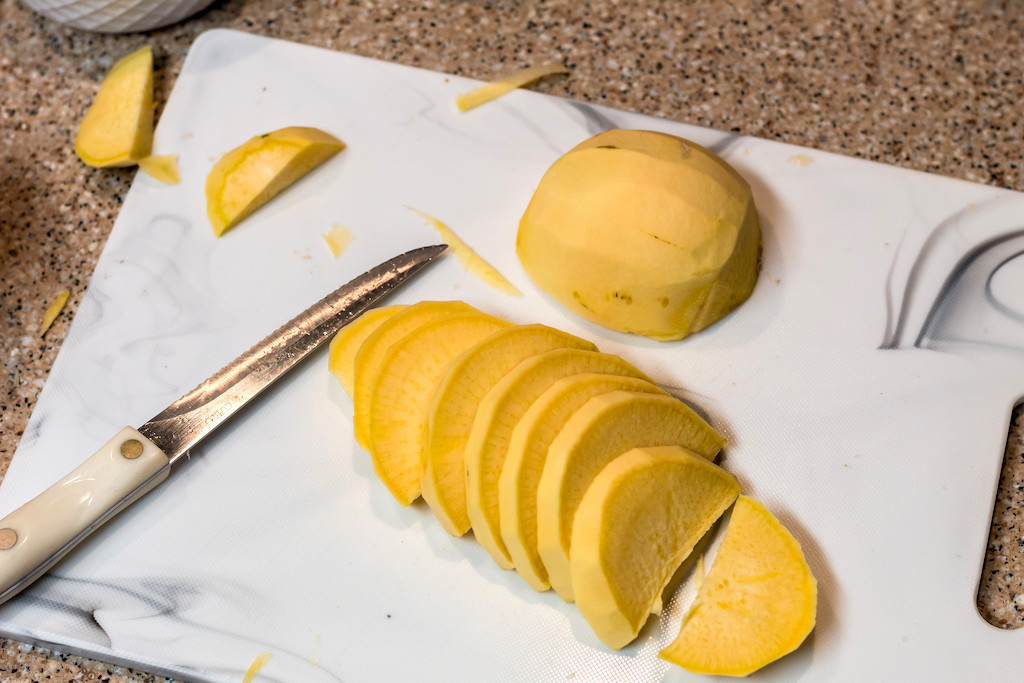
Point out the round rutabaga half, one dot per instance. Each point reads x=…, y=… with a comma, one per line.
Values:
x=642, y=232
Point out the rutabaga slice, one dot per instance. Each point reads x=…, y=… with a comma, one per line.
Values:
x=373, y=349
x=757, y=603
x=345, y=344
x=497, y=415
x=638, y=520
x=604, y=428
x=528, y=449
x=449, y=487
x=409, y=375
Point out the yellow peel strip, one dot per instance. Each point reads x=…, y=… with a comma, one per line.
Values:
x=257, y=664
x=470, y=260
x=495, y=89
x=54, y=310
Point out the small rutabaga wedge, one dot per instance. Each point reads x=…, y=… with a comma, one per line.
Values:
x=250, y=175
x=117, y=129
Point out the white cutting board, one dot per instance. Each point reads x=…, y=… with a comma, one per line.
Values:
x=865, y=389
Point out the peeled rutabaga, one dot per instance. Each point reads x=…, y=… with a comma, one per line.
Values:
x=642, y=232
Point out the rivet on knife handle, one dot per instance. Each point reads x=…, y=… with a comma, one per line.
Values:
x=40, y=532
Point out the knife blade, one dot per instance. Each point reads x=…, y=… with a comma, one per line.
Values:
x=39, y=533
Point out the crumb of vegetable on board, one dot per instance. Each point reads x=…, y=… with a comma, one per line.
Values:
x=54, y=310
x=495, y=89
x=470, y=260
x=163, y=167
x=257, y=664
x=338, y=238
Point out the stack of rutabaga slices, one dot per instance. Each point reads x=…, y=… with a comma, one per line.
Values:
x=574, y=468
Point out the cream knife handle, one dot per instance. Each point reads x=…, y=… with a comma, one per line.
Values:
x=40, y=532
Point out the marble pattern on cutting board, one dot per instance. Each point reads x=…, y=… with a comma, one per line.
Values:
x=168, y=304
x=920, y=85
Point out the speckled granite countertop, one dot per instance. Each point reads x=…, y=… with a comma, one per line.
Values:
x=930, y=86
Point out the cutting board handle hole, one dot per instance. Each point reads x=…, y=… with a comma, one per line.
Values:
x=1000, y=597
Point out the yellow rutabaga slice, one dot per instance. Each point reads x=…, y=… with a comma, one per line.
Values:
x=163, y=168
x=117, y=130
x=400, y=401
x=497, y=415
x=255, y=172
x=371, y=352
x=605, y=427
x=756, y=604
x=448, y=487
x=495, y=89
x=637, y=522
x=346, y=343
x=528, y=449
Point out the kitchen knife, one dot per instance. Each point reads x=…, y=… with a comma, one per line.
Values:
x=43, y=530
